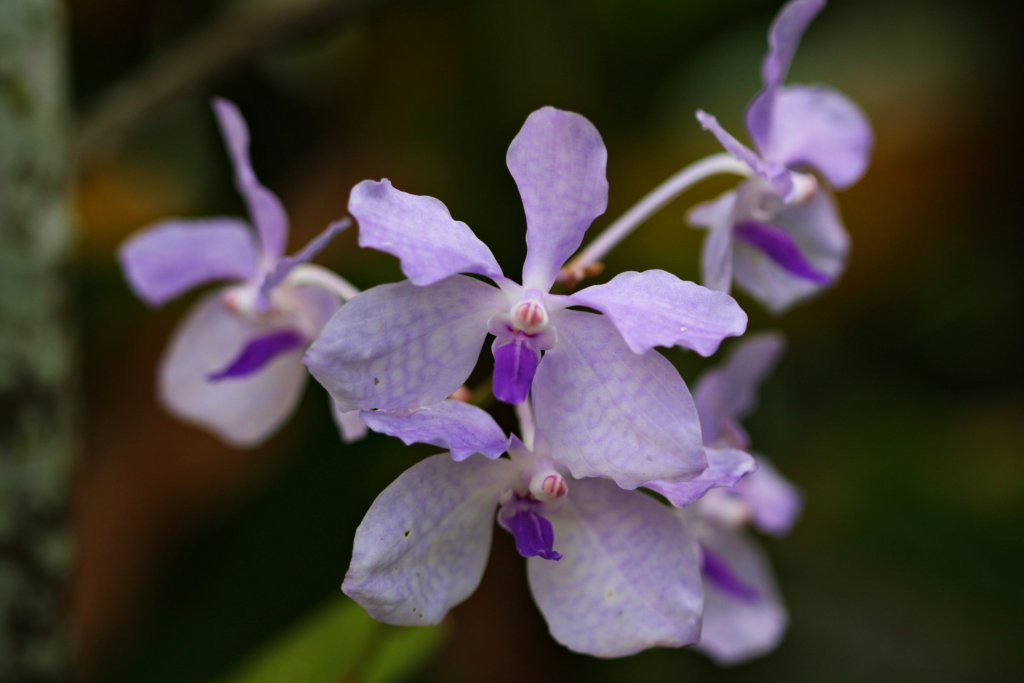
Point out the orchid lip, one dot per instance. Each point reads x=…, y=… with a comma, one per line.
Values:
x=258, y=352
x=780, y=247
x=719, y=574
x=533, y=533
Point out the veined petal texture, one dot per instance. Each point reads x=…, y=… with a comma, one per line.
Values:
x=423, y=545
x=628, y=578
x=728, y=392
x=401, y=346
x=558, y=161
x=171, y=257
x=420, y=232
x=818, y=126
x=726, y=466
x=243, y=411
x=265, y=208
x=606, y=411
x=783, y=38
x=462, y=428
x=656, y=308
x=740, y=627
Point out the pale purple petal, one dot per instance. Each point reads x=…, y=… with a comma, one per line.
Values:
x=780, y=247
x=350, y=424
x=716, y=255
x=264, y=207
x=515, y=363
x=558, y=161
x=818, y=232
x=775, y=173
x=783, y=38
x=166, y=259
x=725, y=467
x=728, y=392
x=774, y=502
x=401, y=346
x=607, y=411
x=820, y=127
x=244, y=411
x=740, y=625
x=628, y=579
x=285, y=266
x=423, y=545
x=532, y=532
x=420, y=232
x=655, y=308
x=461, y=428
x=259, y=351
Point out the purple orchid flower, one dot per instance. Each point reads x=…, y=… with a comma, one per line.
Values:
x=779, y=234
x=744, y=616
x=610, y=405
x=235, y=365
x=611, y=570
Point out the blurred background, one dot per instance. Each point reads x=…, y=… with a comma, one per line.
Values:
x=898, y=409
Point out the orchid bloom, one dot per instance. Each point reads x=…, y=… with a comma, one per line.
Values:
x=612, y=571
x=779, y=234
x=609, y=404
x=235, y=365
x=743, y=613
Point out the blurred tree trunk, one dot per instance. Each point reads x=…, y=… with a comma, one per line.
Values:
x=36, y=391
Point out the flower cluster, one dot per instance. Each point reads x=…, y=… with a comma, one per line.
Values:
x=628, y=494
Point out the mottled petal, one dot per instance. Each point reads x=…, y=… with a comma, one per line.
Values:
x=264, y=207
x=244, y=411
x=420, y=232
x=655, y=308
x=773, y=500
x=773, y=172
x=558, y=161
x=783, y=38
x=780, y=247
x=716, y=255
x=461, y=428
x=728, y=392
x=533, y=533
x=737, y=625
x=400, y=346
x=607, y=411
x=423, y=545
x=350, y=424
x=818, y=232
x=259, y=351
x=515, y=363
x=820, y=127
x=725, y=467
x=285, y=266
x=628, y=578
x=171, y=257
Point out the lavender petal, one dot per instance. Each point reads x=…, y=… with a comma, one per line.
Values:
x=609, y=412
x=265, y=208
x=726, y=467
x=558, y=161
x=716, y=255
x=628, y=579
x=774, y=502
x=461, y=428
x=287, y=264
x=776, y=174
x=420, y=232
x=351, y=426
x=423, y=545
x=655, y=308
x=166, y=259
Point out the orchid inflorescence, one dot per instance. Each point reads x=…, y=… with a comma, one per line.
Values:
x=605, y=420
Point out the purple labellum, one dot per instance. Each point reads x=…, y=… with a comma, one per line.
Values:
x=515, y=363
x=721, y=576
x=258, y=352
x=534, y=535
x=780, y=247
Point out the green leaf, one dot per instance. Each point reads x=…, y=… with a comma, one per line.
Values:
x=341, y=643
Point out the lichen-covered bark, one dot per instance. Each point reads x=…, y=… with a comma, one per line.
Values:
x=35, y=370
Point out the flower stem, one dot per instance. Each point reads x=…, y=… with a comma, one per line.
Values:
x=584, y=262
x=317, y=276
